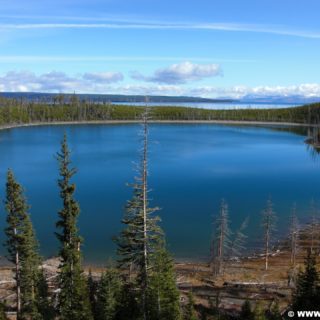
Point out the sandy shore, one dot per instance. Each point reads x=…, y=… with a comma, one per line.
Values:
x=226, y=122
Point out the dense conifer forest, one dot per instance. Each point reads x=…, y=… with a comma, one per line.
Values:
x=14, y=111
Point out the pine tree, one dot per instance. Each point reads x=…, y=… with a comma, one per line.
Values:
x=93, y=288
x=140, y=238
x=268, y=224
x=190, y=313
x=30, y=273
x=246, y=312
x=73, y=297
x=108, y=295
x=164, y=295
x=307, y=295
x=129, y=307
x=23, y=252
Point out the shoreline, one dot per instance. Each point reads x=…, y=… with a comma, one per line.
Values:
x=107, y=122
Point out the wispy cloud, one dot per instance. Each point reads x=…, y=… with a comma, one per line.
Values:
x=39, y=59
x=181, y=73
x=126, y=24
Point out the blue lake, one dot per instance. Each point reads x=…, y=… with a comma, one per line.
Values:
x=192, y=166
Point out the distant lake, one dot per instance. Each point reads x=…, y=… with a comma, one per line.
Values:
x=215, y=106
x=192, y=166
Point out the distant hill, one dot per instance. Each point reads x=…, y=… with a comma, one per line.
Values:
x=112, y=98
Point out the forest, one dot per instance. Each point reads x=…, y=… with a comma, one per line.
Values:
x=13, y=111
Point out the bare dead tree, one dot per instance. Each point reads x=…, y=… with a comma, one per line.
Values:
x=294, y=235
x=312, y=228
x=239, y=240
x=268, y=224
x=220, y=239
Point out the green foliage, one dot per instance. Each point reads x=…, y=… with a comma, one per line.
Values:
x=74, y=296
x=13, y=111
x=190, y=313
x=307, y=295
x=92, y=288
x=246, y=311
x=164, y=300
x=16, y=208
x=108, y=295
x=259, y=312
x=140, y=239
x=23, y=252
x=129, y=307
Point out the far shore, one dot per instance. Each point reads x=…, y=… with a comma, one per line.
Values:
x=227, y=122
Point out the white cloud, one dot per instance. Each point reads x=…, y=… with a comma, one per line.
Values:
x=238, y=92
x=57, y=81
x=181, y=73
x=54, y=81
x=106, y=77
x=146, y=25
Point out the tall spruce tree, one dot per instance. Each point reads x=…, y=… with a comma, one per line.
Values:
x=73, y=300
x=32, y=302
x=108, y=295
x=140, y=238
x=164, y=294
x=307, y=295
x=190, y=312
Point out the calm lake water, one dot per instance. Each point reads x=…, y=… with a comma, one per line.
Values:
x=192, y=166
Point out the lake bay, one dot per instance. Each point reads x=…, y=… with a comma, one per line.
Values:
x=192, y=167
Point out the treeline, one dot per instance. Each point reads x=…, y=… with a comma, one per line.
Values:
x=13, y=111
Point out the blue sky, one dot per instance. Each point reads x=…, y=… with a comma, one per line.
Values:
x=206, y=48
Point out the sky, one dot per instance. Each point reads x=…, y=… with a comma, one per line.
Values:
x=208, y=48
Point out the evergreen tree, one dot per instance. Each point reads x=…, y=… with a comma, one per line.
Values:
x=109, y=295
x=73, y=300
x=93, y=288
x=164, y=295
x=140, y=238
x=307, y=295
x=190, y=312
x=129, y=307
x=23, y=252
x=246, y=312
